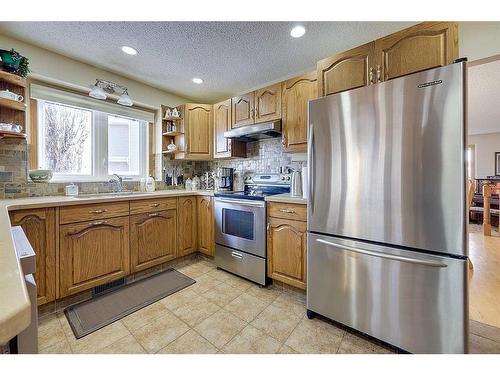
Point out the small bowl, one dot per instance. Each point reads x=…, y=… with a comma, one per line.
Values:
x=40, y=175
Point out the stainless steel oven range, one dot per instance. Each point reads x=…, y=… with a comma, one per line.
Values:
x=240, y=226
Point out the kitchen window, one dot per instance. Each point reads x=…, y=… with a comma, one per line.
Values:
x=82, y=139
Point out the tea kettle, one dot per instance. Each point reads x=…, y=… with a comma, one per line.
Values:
x=296, y=184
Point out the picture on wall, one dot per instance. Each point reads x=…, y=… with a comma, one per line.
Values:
x=497, y=163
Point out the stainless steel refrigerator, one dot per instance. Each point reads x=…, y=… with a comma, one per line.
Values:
x=387, y=230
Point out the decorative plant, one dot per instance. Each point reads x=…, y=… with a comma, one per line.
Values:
x=14, y=62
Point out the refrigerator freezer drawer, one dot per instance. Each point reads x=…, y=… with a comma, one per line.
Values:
x=411, y=300
x=240, y=263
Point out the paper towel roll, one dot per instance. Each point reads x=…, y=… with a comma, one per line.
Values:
x=305, y=182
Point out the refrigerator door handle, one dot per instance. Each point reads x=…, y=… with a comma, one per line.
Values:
x=385, y=256
x=311, y=167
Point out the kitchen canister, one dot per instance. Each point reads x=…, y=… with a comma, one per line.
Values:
x=189, y=184
x=305, y=182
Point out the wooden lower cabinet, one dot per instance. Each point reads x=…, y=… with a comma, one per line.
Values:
x=205, y=208
x=39, y=225
x=93, y=253
x=286, y=251
x=152, y=239
x=187, y=225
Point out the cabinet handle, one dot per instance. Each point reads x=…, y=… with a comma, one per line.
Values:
x=268, y=228
x=154, y=205
x=257, y=112
x=234, y=254
x=154, y=214
x=101, y=222
x=252, y=113
x=283, y=141
x=371, y=75
x=379, y=72
x=187, y=148
x=97, y=211
x=287, y=210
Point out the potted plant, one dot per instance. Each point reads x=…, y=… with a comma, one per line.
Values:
x=14, y=62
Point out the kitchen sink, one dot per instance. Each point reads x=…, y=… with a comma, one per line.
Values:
x=110, y=195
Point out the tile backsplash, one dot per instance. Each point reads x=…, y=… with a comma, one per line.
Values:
x=265, y=156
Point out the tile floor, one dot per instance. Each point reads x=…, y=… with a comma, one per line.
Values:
x=220, y=313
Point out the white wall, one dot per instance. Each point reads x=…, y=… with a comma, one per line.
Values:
x=477, y=40
x=486, y=146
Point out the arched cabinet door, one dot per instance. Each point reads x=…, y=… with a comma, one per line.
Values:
x=424, y=46
x=286, y=251
x=187, y=225
x=199, y=132
x=93, y=253
x=268, y=103
x=242, y=110
x=39, y=225
x=152, y=239
x=206, y=240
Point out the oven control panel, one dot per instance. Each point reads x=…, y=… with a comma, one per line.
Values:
x=269, y=179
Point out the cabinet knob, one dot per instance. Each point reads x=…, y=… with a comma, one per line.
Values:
x=371, y=75
x=379, y=72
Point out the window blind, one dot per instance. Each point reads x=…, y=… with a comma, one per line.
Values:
x=64, y=97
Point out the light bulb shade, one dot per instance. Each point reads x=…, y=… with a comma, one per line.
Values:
x=125, y=100
x=97, y=92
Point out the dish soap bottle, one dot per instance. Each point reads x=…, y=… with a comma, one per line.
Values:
x=150, y=184
x=71, y=190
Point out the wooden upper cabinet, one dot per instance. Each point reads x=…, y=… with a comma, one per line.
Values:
x=223, y=147
x=205, y=225
x=243, y=110
x=423, y=46
x=186, y=225
x=286, y=251
x=268, y=103
x=93, y=253
x=39, y=225
x=198, y=129
x=152, y=239
x=295, y=95
x=346, y=71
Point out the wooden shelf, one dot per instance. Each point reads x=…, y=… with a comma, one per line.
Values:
x=9, y=134
x=172, y=118
x=172, y=134
x=12, y=104
x=12, y=79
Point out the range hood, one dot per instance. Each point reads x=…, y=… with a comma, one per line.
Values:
x=251, y=133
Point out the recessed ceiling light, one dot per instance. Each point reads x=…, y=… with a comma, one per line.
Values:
x=197, y=80
x=129, y=50
x=298, y=31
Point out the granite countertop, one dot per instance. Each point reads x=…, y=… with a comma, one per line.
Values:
x=286, y=198
x=15, y=305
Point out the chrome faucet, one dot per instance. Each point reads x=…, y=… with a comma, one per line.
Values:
x=118, y=181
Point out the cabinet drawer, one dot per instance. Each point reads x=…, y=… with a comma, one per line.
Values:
x=75, y=214
x=288, y=211
x=152, y=205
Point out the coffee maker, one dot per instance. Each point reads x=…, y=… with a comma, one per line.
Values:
x=225, y=178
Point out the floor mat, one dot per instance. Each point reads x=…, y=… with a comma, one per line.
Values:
x=88, y=316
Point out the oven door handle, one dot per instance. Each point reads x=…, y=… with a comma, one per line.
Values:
x=240, y=202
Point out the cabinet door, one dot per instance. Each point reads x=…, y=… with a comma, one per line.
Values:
x=296, y=93
x=268, y=103
x=39, y=225
x=186, y=225
x=205, y=225
x=286, y=251
x=242, y=110
x=424, y=46
x=93, y=253
x=347, y=70
x=152, y=239
x=198, y=128
x=223, y=147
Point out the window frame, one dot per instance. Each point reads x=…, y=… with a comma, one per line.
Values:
x=99, y=146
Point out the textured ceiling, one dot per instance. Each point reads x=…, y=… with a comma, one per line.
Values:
x=484, y=98
x=231, y=57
